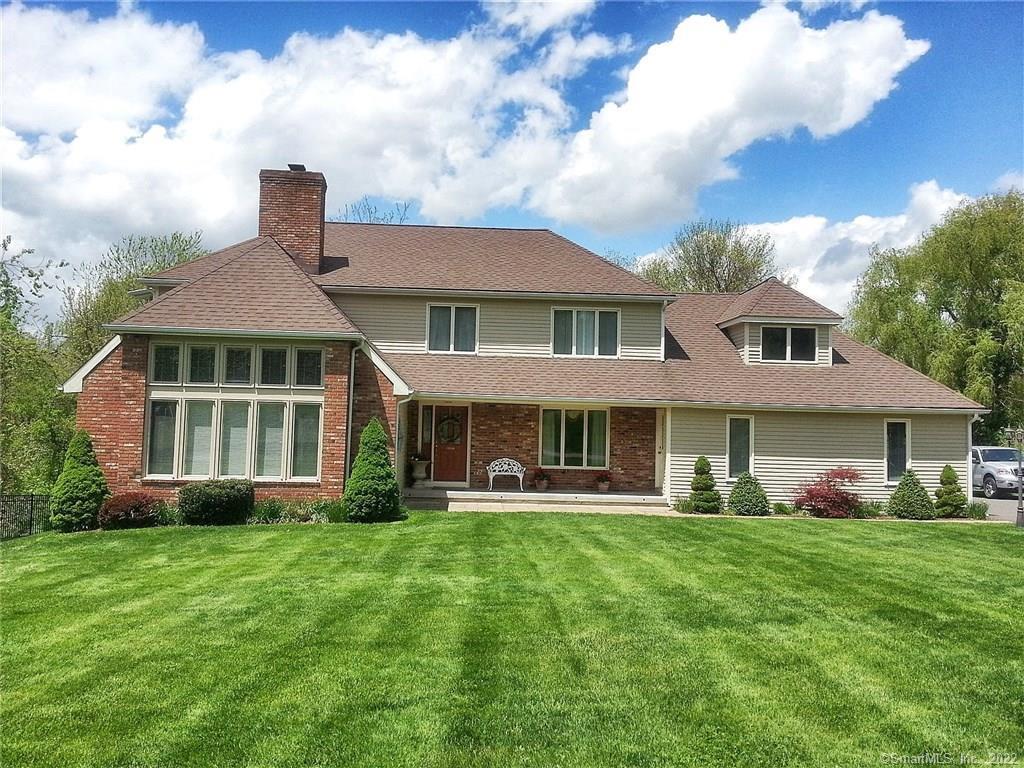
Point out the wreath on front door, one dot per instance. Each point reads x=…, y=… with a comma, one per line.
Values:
x=449, y=429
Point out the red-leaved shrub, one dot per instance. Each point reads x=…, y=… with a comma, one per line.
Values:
x=829, y=494
x=130, y=510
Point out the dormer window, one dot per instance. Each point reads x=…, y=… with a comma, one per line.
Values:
x=789, y=344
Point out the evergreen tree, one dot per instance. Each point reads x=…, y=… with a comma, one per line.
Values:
x=950, y=499
x=80, y=489
x=706, y=499
x=910, y=500
x=371, y=493
x=748, y=497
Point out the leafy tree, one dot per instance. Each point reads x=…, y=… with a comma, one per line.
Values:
x=952, y=306
x=102, y=292
x=705, y=498
x=371, y=493
x=910, y=500
x=712, y=256
x=81, y=488
x=748, y=497
x=950, y=499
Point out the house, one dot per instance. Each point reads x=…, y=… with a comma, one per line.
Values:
x=266, y=360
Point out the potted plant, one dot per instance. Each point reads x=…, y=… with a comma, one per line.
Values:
x=419, y=468
x=604, y=481
x=541, y=479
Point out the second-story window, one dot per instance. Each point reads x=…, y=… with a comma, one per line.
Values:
x=451, y=328
x=586, y=332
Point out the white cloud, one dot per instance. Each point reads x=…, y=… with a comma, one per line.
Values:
x=693, y=102
x=827, y=256
x=813, y=6
x=533, y=17
x=1009, y=180
x=122, y=124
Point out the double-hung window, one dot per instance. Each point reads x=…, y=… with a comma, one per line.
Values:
x=739, y=444
x=585, y=332
x=574, y=438
x=785, y=344
x=897, y=449
x=451, y=328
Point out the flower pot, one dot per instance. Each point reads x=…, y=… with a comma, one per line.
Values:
x=542, y=485
x=603, y=487
x=419, y=471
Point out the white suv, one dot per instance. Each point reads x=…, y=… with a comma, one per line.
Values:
x=995, y=469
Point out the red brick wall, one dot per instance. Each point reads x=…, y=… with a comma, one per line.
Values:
x=112, y=404
x=374, y=396
x=500, y=430
x=292, y=211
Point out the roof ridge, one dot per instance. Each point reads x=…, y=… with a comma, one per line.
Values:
x=177, y=288
x=436, y=226
x=804, y=295
x=619, y=267
x=312, y=287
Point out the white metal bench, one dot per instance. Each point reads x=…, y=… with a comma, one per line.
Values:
x=509, y=467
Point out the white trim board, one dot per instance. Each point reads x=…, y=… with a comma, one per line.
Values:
x=77, y=380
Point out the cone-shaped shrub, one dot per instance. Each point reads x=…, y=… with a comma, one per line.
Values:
x=950, y=499
x=80, y=489
x=748, y=497
x=705, y=498
x=910, y=500
x=371, y=493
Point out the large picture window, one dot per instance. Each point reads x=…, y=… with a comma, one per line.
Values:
x=270, y=440
x=739, y=444
x=785, y=344
x=897, y=449
x=451, y=328
x=305, y=439
x=198, y=438
x=234, y=439
x=585, y=332
x=163, y=415
x=572, y=437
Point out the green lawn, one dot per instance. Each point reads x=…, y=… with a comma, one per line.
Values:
x=514, y=639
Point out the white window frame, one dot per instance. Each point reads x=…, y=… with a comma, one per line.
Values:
x=295, y=367
x=789, y=345
x=597, y=332
x=290, y=447
x=187, y=362
x=287, y=365
x=285, y=443
x=451, y=331
x=182, y=441
x=750, y=439
x=178, y=432
x=250, y=438
x=885, y=450
x=153, y=344
x=586, y=432
x=253, y=362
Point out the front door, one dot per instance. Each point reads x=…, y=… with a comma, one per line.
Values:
x=451, y=443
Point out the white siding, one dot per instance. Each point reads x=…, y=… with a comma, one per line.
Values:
x=791, y=447
x=507, y=326
x=824, y=343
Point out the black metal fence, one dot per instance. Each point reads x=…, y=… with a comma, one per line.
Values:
x=23, y=515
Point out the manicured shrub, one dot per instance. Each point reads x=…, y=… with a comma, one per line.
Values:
x=781, y=508
x=829, y=495
x=950, y=499
x=977, y=510
x=748, y=497
x=80, y=489
x=869, y=509
x=706, y=499
x=910, y=500
x=267, y=511
x=130, y=510
x=372, y=493
x=216, y=502
x=684, y=506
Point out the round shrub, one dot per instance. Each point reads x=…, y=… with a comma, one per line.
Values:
x=80, y=489
x=216, y=502
x=130, y=510
x=910, y=500
x=371, y=493
x=748, y=497
x=950, y=499
x=706, y=499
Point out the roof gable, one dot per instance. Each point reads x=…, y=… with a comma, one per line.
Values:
x=773, y=298
x=255, y=288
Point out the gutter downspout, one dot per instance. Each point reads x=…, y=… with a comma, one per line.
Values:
x=398, y=432
x=970, y=457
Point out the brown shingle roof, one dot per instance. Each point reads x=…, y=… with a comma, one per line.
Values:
x=773, y=298
x=469, y=259
x=703, y=367
x=257, y=287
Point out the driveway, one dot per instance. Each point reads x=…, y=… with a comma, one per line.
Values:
x=1000, y=509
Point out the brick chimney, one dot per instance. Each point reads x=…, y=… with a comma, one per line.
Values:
x=292, y=211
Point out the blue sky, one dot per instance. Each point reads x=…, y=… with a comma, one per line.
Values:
x=942, y=123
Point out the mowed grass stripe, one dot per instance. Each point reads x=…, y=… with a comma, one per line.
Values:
x=469, y=639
